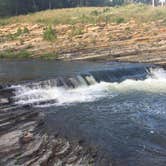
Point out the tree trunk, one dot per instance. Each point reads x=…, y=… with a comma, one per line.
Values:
x=153, y=3
x=50, y=5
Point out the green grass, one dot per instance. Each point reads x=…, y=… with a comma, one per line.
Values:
x=49, y=34
x=9, y=54
x=91, y=15
x=25, y=30
x=76, y=31
x=50, y=56
x=21, y=54
x=15, y=36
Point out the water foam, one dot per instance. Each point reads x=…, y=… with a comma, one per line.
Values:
x=53, y=95
x=155, y=82
x=59, y=95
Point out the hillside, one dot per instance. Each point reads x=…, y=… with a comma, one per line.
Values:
x=126, y=33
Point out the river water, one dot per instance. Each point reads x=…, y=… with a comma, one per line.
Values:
x=118, y=108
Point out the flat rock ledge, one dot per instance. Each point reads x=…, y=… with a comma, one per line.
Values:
x=24, y=141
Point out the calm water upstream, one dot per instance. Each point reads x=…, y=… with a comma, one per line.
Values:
x=119, y=108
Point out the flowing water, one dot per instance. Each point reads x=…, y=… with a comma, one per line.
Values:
x=119, y=108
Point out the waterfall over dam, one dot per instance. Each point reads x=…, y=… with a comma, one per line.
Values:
x=87, y=87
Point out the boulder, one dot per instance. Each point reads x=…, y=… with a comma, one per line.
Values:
x=27, y=137
x=4, y=101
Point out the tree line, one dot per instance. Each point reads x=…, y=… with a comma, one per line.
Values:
x=16, y=7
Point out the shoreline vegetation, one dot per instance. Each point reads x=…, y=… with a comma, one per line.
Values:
x=135, y=33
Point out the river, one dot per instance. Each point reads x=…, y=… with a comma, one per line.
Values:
x=118, y=108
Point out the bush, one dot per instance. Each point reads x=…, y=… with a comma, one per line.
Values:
x=95, y=13
x=49, y=34
x=106, y=10
x=19, y=32
x=15, y=35
x=13, y=54
x=119, y=20
x=26, y=30
x=76, y=31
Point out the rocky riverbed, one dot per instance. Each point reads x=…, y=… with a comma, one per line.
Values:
x=24, y=141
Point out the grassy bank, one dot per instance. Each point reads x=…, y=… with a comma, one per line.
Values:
x=128, y=31
x=140, y=13
x=24, y=54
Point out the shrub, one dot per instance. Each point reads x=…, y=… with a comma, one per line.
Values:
x=14, y=54
x=76, y=31
x=49, y=34
x=15, y=35
x=119, y=20
x=19, y=32
x=26, y=30
x=106, y=10
x=95, y=13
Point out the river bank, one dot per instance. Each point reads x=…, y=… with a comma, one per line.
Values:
x=115, y=34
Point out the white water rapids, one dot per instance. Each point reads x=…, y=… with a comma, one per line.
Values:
x=155, y=83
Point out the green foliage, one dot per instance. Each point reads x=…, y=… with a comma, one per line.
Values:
x=139, y=13
x=49, y=56
x=95, y=13
x=107, y=19
x=15, y=35
x=26, y=30
x=106, y=10
x=87, y=19
x=19, y=32
x=16, y=7
x=14, y=54
x=49, y=34
x=91, y=15
x=119, y=20
x=76, y=31
x=21, y=54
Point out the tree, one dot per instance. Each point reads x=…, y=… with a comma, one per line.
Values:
x=16, y=7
